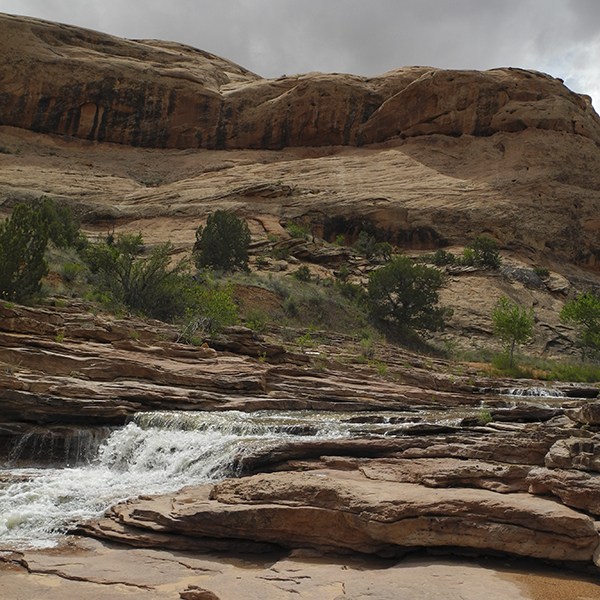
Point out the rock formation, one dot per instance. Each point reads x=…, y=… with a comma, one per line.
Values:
x=419, y=157
x=70, y=81
x=523, y=484
x=474, y=499
x=423, y=158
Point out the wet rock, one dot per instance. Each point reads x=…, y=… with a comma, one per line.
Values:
x=518, y=447
x=524, y=413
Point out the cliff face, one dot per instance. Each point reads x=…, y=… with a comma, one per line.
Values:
x=76, y=82
x=423, y=158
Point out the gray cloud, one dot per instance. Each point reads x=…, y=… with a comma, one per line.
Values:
x=272, y=37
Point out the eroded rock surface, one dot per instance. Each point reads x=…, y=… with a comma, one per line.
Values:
x=91, y=570
x=159, y=94
x=328, y=510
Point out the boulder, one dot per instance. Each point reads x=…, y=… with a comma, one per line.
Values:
x=575, y=488
x=588, y=414
x=195, y=592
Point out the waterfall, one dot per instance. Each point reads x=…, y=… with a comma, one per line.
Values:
x=60, y=445
x=155, y=453
x=534, y=392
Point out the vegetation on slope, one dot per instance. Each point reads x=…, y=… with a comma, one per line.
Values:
x=201, y=293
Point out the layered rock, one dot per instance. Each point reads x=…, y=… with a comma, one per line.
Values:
x=485, y=489
x=527, y=488
x=70, y=81
x=333, y=510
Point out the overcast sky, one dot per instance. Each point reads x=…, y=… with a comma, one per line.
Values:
x=273, y=37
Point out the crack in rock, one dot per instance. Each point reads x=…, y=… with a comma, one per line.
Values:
x=62, y=575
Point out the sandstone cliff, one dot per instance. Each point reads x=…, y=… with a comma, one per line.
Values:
x=71, y=81
x=421, y=157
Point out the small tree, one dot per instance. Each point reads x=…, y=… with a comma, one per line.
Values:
x=513, y=324
x=63, y=228
x=584, y=314
x=485, y=252
x=145, y=284
x=366, y=244
x=407, y=293
x=23, y=240
x=211, y=308
x=223, y=242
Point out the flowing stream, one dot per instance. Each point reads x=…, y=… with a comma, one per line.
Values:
x=158, y=453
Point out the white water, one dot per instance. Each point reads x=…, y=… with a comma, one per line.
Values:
x=536, y=392
x=157, y=453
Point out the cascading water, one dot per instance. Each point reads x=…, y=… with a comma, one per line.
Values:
x=158, y=453
x=534, y=392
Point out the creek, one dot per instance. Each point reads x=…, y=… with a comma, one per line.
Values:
x=49, y=483
x=157, y=453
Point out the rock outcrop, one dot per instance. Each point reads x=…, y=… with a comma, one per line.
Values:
x=341, y=500
x=419, y=157
x=81, y=83
x=525, y=483
x=65, y=368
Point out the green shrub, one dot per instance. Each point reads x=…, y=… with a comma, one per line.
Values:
x=147, y=285
x=442, y=258
x=211, y=308
x=567, y=371
x=485, y=252
x=485, y=416
x=584, y=314
x=353, y=292
x=381, y=367
x=302, y=273
x=343, y=273
x=513, y=324
x=366, y=348
x=365, y=244
x=63, y=229
x=280, y=252
x=71, y=271
x=541, y=272
x=467, y=259
x=384, y=249
x=298, y=231
x=257, y=320
x=23, y=240
x=407, y=294
x=223, y=243
x=290, y=307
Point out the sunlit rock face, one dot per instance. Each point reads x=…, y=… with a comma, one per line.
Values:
x=76, y=82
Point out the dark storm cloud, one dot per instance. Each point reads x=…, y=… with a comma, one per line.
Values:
x=272, y=37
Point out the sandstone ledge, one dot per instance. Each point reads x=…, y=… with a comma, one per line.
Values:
x=384, y=497
x=329, y=510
